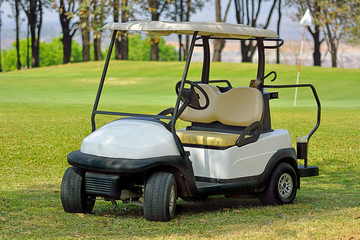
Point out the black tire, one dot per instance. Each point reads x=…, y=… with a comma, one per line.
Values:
x=73, y=196
x=282, y=186
x=160, y=197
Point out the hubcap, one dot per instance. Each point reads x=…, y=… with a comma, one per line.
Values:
x=285, y=185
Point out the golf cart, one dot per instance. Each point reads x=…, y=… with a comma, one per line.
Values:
x=228, y=147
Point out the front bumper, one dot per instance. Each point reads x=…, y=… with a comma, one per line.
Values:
x=122, y=165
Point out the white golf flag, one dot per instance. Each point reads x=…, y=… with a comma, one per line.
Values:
x=306, y=19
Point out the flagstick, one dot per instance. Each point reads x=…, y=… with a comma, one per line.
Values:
x=298, y=75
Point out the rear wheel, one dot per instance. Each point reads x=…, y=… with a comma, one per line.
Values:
x=73, y=196
x=160, y=197
x=282, y=186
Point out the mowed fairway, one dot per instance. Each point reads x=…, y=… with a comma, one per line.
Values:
x=45, y=114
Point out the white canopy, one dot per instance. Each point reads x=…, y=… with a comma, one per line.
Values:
x=213, y=29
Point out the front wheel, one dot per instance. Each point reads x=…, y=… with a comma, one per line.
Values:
x=73, y=196
x=160, y=197
x=282, y=186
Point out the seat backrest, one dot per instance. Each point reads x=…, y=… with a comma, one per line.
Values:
x=236, y=107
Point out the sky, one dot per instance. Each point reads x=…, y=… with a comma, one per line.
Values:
x=290, y=30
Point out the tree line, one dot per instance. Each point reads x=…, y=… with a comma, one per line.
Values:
x=333, y=20
x=88, y=18
x=52, y=53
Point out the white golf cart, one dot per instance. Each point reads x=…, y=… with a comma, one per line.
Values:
x=228, y=147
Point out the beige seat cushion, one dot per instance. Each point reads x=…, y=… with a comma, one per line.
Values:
x=236, y=107
x=207, y=138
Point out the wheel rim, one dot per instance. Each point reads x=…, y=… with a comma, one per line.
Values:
x=172, y=200
x=285, y=185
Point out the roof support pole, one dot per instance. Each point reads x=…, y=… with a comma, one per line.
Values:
x=176, y=110
x=102, y=80
x=261, y=62
x=206, y=62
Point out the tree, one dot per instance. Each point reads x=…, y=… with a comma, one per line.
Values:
x=98, y=17
x=156, y=8
x=353, y=30
x=84, y=14
x=67, y=12
x=1, y=2
x=16, y=9
x=334, y=19
x=336, y=16
x=248, y=13
x=353, y=36
x=116, y=9
x=219, y=44
x=124, y=43
x=179, y=11
x=178, y=15
x=314, y=8
x=27, y=46
x=121, y=46
x=34, y=13
x=278, y=32
x=187, y=39
x=17, y=13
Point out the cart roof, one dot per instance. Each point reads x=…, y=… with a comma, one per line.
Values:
x=214, y=29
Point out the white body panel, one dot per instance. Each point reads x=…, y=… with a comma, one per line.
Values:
x=130, y=138
x=235, y=162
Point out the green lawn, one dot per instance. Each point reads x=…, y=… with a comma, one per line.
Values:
x=45, y=113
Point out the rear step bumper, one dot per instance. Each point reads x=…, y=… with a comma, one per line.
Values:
x=309, y=171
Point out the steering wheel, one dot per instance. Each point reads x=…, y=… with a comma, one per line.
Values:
x=190, y=97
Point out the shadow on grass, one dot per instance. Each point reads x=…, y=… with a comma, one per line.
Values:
x=36, y=212
x=217, y=203
x=211, y=204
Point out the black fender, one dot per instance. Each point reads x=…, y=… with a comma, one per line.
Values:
x=287, y=155
x=123, y=165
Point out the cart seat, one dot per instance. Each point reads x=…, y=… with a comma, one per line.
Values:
x=205, y=138
x=238, y=107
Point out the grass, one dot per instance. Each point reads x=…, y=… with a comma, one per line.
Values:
x=45, y=113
